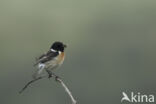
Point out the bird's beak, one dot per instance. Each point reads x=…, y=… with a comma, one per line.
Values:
x=65, y=46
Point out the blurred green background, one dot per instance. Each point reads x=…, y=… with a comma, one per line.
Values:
x=111, y=49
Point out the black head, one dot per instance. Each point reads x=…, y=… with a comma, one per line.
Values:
x=58, y=46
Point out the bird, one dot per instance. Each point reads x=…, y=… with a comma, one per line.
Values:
x=50, y=60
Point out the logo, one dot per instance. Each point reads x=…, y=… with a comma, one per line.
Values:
x=137, y=97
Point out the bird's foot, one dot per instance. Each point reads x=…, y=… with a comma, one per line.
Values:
x=57, y=78
x=50, y=75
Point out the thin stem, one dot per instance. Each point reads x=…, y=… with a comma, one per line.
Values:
x=67, y=90
x=30, y=82
x=57, y=79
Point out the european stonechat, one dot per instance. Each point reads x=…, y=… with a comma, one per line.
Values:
x=50, y=60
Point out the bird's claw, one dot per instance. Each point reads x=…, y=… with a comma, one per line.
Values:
x=49, y=76
x=57, y=78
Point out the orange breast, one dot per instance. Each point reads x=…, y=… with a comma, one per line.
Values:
x=62, y=55
x=61, y=58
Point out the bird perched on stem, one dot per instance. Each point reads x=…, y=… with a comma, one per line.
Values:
x=50, y=60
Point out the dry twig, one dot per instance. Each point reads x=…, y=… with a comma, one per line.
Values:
x=67, y=90
x=57, y=79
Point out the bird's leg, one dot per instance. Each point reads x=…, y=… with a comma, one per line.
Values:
x=56, y=77
x=51, y=74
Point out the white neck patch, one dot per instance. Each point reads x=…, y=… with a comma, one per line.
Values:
x=53, y=50
x=59, y=52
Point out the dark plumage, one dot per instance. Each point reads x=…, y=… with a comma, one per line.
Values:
x=46, y=57
x=57, y=46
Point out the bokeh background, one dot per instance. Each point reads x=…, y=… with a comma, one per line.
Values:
x=111, y=49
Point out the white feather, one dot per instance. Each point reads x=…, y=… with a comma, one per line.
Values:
x=39, y=71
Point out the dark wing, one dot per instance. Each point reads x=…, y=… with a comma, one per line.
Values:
x=46, y=57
